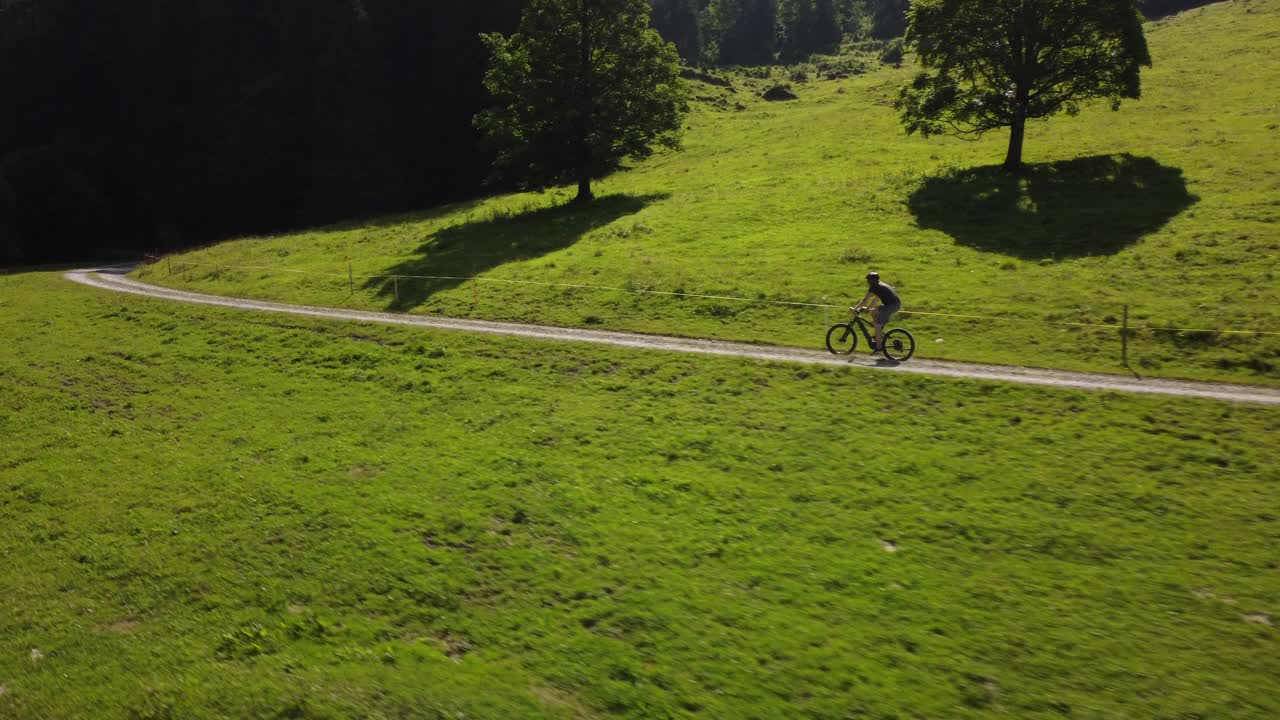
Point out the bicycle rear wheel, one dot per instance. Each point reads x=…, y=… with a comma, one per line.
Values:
x=899, y=345
x=842, y=339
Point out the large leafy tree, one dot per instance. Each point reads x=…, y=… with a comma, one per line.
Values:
x=580, y=86
x=992, y=64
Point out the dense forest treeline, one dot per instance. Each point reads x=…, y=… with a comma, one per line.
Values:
x=141, y=124
x=761, y=32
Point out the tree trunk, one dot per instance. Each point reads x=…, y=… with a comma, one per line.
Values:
x=584, y=186
x=1017, y=131
x=583, y=129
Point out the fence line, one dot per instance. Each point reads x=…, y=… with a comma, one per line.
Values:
x=350, y=276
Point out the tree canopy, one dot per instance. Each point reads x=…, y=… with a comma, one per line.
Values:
x=581, y=85
x=808, y=27
x=991, y=64
x=678, y=22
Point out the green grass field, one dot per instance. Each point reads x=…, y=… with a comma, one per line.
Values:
x=1169, y=206
x=214, y=514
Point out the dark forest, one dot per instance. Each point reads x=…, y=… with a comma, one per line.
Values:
x=144, y=125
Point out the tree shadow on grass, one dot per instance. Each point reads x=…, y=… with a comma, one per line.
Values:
x=456, y=253
x=408, y=217
x=1088, y=206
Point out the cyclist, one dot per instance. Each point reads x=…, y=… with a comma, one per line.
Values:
x=889, y=301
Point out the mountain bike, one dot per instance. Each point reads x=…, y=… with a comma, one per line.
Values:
x=842, y=339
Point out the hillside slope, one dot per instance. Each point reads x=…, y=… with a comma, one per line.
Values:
x=208, y=513
x=1169, y=206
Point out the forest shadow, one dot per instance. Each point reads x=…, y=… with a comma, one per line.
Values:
x=406, y=217
x=1095, y=205
x=461, y=251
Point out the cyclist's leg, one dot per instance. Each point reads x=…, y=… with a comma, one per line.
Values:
x=880, y=317
x=884, y=313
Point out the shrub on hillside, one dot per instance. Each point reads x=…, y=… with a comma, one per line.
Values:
x=869, y=46
x=832, y=67
x=779, y=93
x=705, y=76
x=892, y=53
x=855, y=256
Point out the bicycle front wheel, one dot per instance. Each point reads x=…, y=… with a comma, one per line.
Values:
x=899, y=345
x=842, y=339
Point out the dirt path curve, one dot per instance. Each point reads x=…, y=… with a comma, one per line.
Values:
x=113, y=279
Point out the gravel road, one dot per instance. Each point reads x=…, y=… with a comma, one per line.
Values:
x=113, y=279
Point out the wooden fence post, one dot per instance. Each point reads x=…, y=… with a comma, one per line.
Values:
x=1124, y=337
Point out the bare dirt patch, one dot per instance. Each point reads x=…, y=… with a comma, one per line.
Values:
x=362, y=472
x=563, y=701
x=454, y=647
x=1258, y=619
x=125, y=626
x=1208, y=594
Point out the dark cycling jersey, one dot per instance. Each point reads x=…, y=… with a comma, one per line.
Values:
x=886, y=294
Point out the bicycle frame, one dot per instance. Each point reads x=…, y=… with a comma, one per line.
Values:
x=865, y=326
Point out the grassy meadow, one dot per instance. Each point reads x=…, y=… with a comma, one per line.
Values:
x=1170, y=206
x=211, y=514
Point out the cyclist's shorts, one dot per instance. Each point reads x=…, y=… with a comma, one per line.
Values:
x=884, y=312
